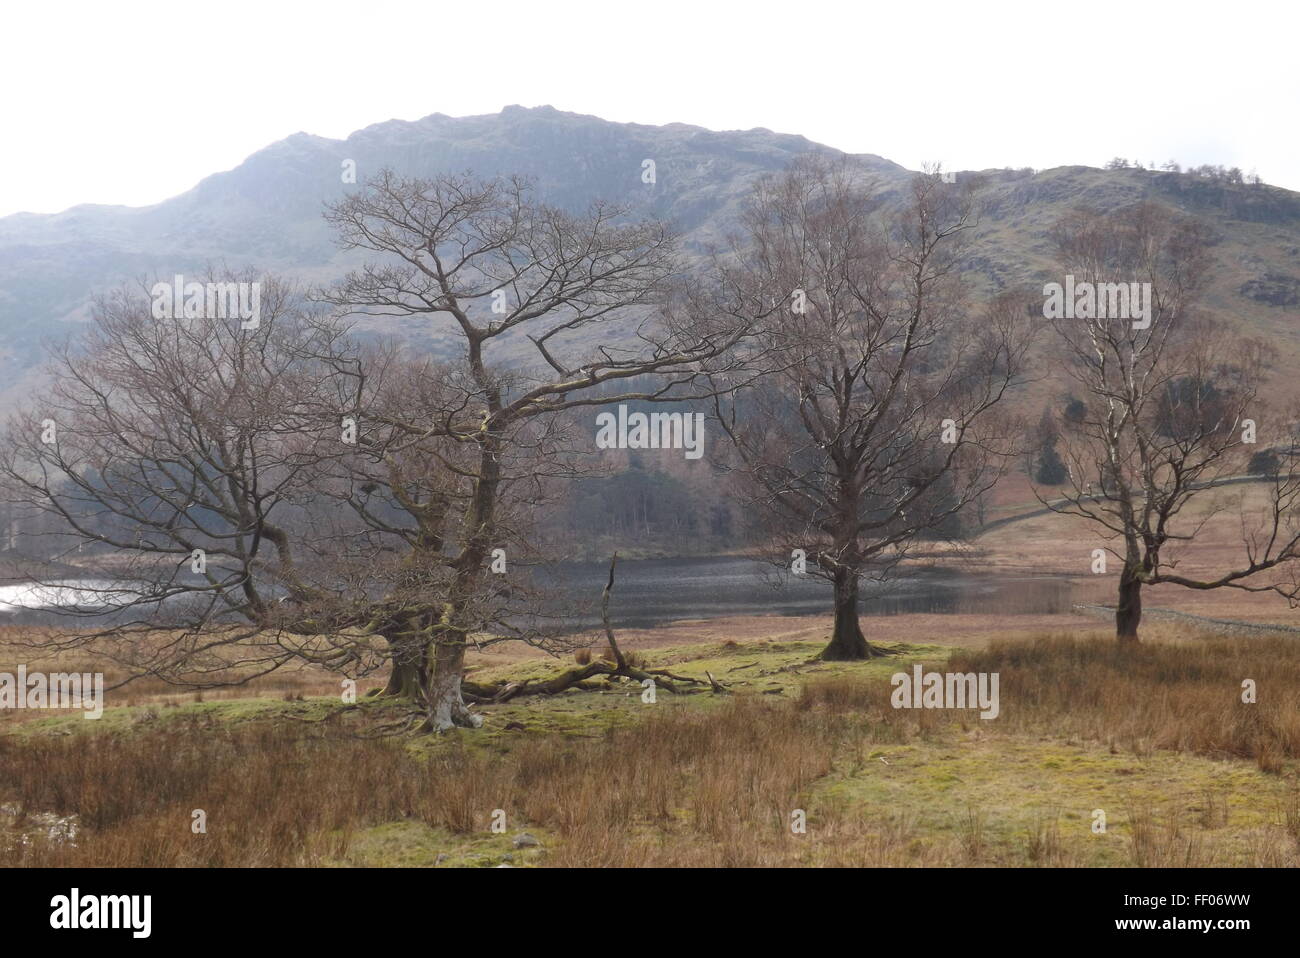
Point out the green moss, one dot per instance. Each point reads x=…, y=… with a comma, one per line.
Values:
x=416, y=845
x=1016, y=785
x=219, y=711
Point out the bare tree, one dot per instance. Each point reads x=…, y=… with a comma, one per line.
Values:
x=1167, y=395
x=545, y=311
x=876, y=424
x=181, y=458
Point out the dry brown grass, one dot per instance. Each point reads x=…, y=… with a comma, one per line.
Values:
x=688, y=786
x=722, y=786
x=1184, y=696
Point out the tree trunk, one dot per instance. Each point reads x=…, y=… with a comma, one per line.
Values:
x=447, y=708
x=1128, y=614
x=446, y=705
x=847, y=642
x=409, y=677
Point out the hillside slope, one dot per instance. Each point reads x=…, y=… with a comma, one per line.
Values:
x=266, y=213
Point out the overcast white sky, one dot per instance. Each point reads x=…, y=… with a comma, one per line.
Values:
x=133, y=102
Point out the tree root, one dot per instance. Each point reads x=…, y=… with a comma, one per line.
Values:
x=873, y=652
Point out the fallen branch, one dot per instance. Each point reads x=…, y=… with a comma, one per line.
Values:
x=567, y=680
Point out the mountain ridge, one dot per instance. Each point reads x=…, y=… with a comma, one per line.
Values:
x=266, y=211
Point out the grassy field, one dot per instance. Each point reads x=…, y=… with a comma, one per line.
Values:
x=285, y=773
